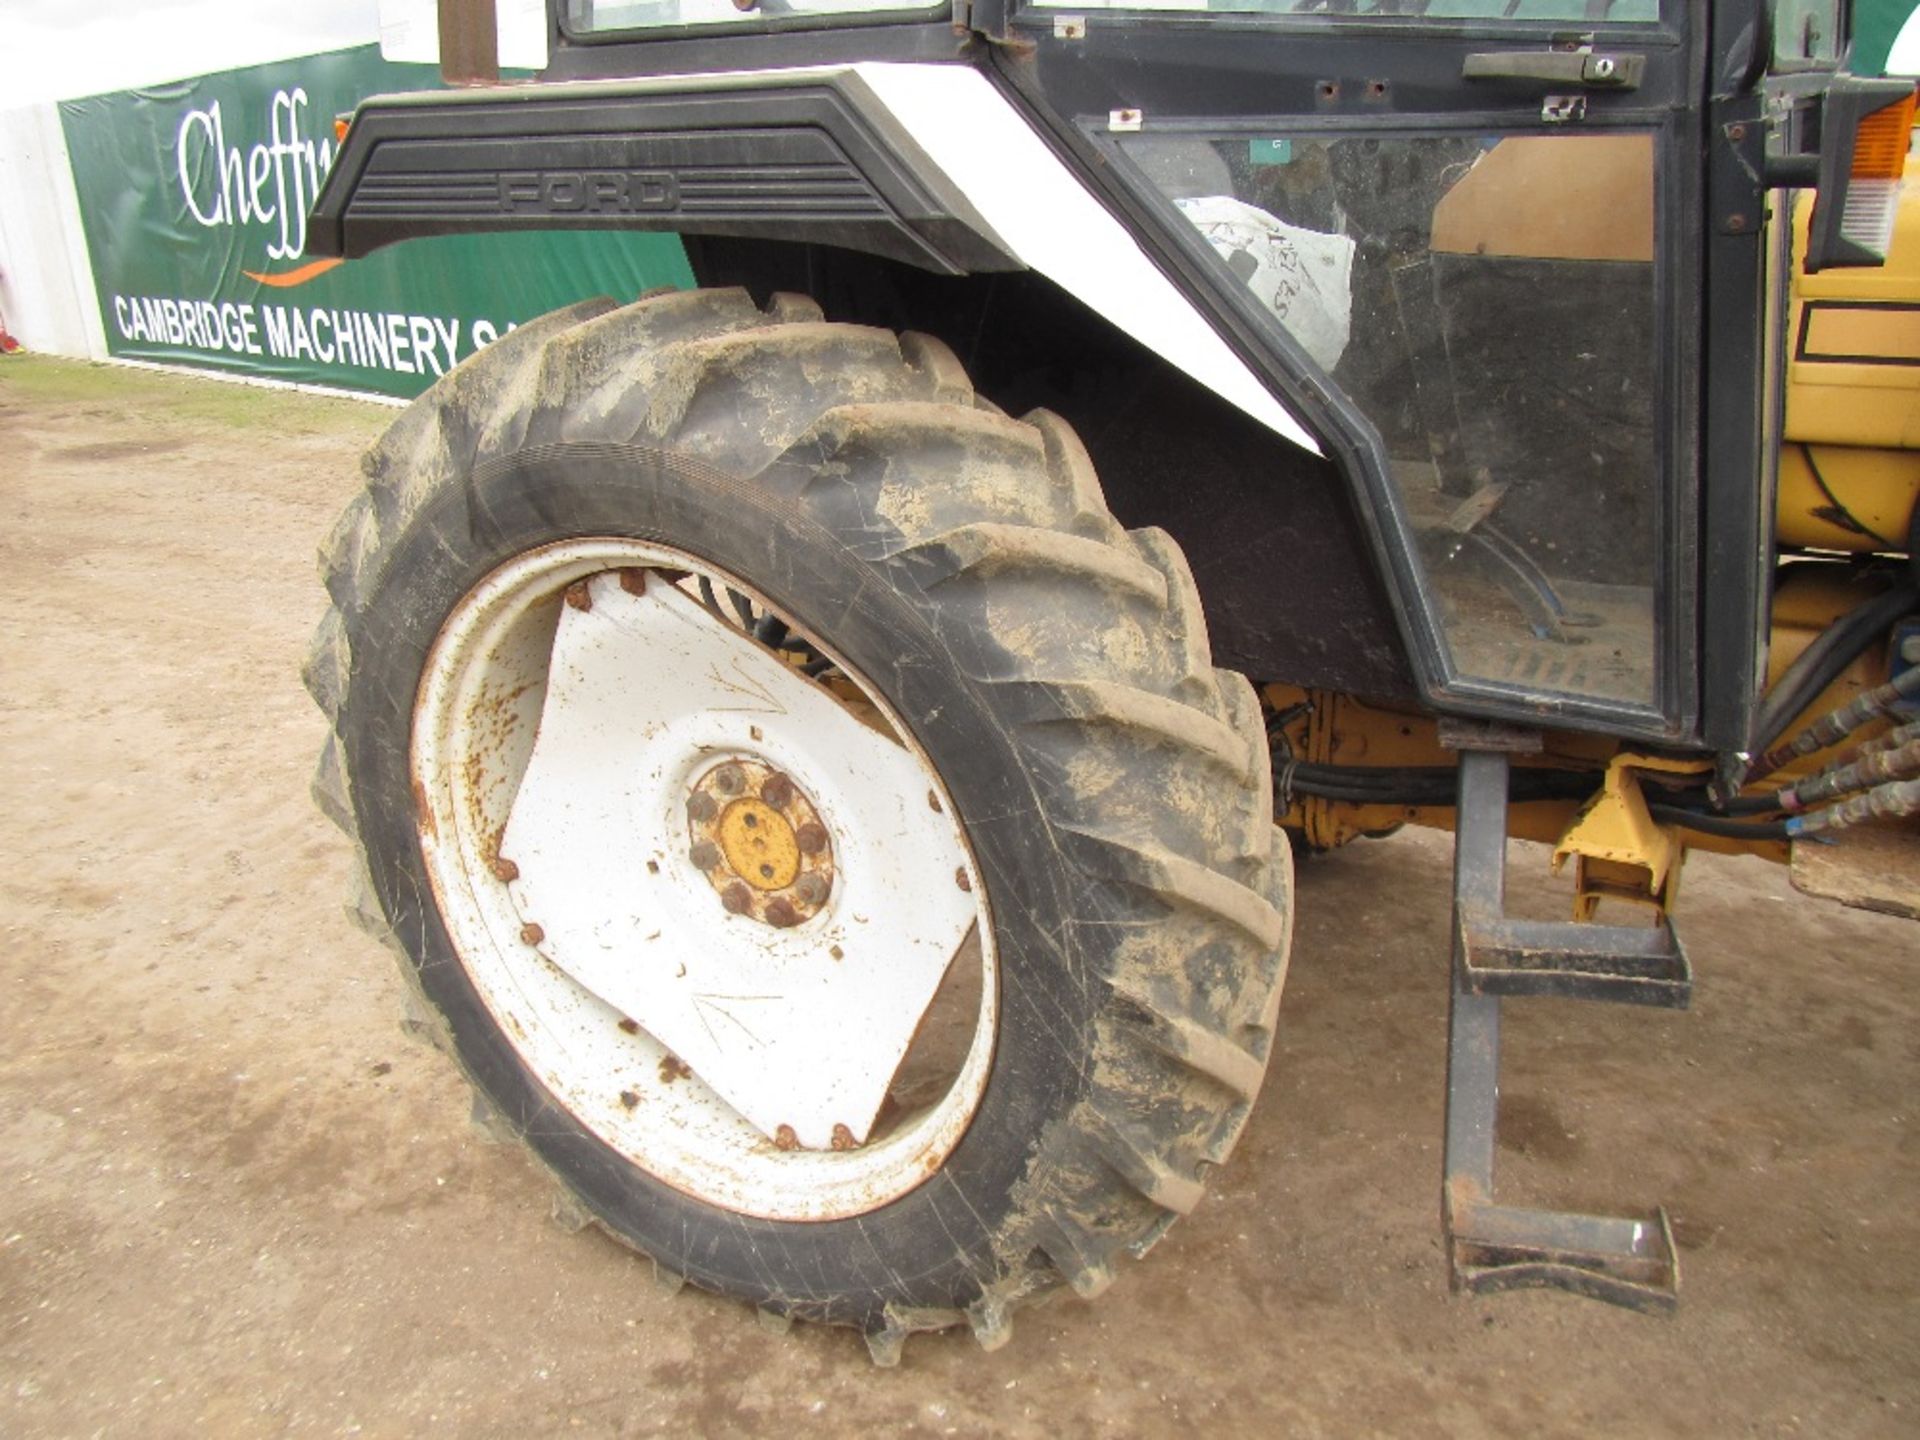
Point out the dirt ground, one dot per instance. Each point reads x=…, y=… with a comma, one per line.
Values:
x=234, y=1200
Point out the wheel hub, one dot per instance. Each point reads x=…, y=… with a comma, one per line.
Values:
x=666, y=773
x=759, y=840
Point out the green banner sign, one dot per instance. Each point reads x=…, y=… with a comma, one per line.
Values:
x=194, y=198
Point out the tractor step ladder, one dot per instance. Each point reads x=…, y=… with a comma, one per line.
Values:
x=1503, y=1247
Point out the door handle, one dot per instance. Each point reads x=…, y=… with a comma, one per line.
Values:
x=1582, y=68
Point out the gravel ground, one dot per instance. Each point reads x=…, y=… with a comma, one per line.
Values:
x=237, y=1202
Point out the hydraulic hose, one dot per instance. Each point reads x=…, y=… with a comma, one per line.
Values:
x=1836, y=647
x=1836, y=725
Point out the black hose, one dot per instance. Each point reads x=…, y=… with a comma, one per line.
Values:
x=1719, y=825
x=1438, y=785
x=1764, y=804
x=1665, y=792
x=1428, y=784
x=1835, y=648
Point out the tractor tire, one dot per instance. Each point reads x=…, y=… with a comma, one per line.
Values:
x=957, y=572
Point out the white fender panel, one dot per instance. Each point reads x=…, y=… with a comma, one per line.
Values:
x=1042, y=212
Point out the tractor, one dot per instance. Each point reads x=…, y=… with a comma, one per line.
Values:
x=829, y=747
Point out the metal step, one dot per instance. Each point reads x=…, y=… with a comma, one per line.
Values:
x=1625, y=964
x=1503, y=1247
x=1623, y=1262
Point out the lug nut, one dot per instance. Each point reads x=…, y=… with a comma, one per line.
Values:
x=777, y=791
x=705, y=856
x=504, y=869
x=810, y=889
x=701, y=807
x=811, y=838
x=737, y=898
x=779, y=912
x=532, y=933
x=728, y=780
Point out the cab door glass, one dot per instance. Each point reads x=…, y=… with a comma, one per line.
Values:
x=1487, y=301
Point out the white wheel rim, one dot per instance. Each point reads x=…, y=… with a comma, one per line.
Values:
x=479, y=711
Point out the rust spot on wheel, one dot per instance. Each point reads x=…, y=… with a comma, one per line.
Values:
x=532, y=933
x=785, y=1139
x=843, y=1138
x=963, y=880
x=504, y=869
x=578, y=596
x=633, y=581
x=673, y=1068
x=423, y=813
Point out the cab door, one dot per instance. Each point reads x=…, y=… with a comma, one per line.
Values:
x=1473, y=240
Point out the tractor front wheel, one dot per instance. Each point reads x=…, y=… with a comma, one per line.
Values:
x=810, y=821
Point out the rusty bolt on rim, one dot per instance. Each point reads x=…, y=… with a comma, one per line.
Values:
x=843, y=1138
x=532, y=933
x=963, y=880
x=578, y=596
x=504, y=869
x=785, y=1139
x=633, y=581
